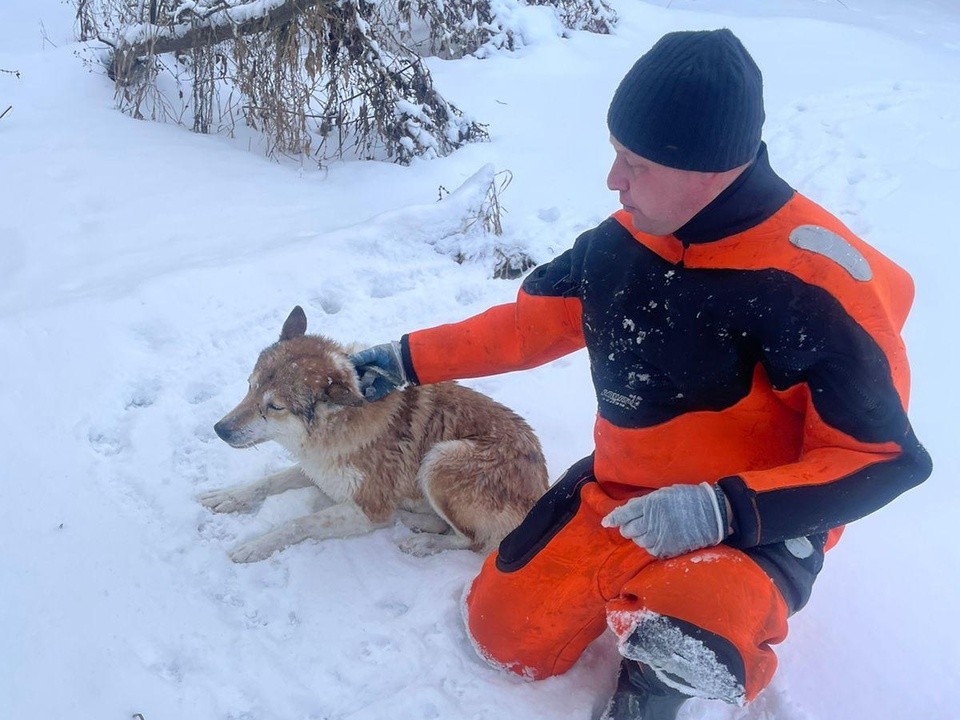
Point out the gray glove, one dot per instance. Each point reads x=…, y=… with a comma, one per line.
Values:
x=673, y=520
x=380, y=369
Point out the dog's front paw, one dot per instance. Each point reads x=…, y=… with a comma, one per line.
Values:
x=228, y=501
x=253, y=551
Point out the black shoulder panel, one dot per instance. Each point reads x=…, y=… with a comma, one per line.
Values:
x=563, y=276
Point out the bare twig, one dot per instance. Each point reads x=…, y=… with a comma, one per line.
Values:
x=16, y=74
x=46, y=38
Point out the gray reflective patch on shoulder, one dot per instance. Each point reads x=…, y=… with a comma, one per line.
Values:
x=824, y=242
x=799, y=547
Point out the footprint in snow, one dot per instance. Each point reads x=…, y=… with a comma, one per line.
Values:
x=200, y=392
x=143, y=393
x=329, y=303
x=108, y=443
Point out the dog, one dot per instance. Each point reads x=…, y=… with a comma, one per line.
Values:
x=455, y=466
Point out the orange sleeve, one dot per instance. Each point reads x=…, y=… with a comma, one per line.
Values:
x=531, y=331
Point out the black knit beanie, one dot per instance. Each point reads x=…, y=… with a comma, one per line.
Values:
x=693, y=102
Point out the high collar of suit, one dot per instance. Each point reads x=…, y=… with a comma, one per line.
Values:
x=756, y=194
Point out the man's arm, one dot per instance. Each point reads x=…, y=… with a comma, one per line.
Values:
x=542, y=325
x=840, y=364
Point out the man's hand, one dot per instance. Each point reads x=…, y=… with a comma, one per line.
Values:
x=673, y=520
x=380, y=369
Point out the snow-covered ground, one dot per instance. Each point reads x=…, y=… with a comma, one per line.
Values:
x=142, y=268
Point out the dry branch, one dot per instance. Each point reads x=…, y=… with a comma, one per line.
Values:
x=227, y=24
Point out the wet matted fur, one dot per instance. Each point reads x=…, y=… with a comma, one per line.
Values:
x=454, y=465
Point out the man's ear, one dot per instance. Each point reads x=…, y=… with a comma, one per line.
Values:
x=343, y=395
x=295, y=324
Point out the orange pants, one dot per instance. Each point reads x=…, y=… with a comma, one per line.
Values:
x=561, y=579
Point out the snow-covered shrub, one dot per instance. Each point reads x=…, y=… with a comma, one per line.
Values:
x=479, y=236
x=312, y=78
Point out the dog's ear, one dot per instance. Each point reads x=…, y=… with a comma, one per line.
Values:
x=295, y=324
x=340, y=394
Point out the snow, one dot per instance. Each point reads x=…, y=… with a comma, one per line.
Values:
x=143, y=268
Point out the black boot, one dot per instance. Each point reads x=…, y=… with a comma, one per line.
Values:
x=640, y=695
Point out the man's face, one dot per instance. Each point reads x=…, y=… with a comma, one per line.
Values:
x=660, y=199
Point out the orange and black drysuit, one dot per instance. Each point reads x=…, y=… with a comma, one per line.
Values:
x=757, y=348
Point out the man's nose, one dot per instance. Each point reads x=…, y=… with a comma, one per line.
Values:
x=615, y=179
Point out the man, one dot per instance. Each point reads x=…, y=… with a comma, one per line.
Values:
x=751, y=386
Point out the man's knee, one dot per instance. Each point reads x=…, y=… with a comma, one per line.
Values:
x=704, y=622
x=526, y=633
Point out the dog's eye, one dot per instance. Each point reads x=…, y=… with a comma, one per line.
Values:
x=274, y=406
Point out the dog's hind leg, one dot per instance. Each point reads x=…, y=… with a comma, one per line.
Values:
x=333, y=522
x=423, y=522
x=247, y=498
x=449, y=485
x=424, y=544
x=433, y=534
x=481, y=491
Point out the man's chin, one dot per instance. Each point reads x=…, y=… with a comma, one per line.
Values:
x=634, y=216
x=641, y=223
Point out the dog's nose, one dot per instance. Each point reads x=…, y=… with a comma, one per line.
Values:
x=222, y=430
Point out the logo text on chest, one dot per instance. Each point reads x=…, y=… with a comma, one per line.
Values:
x=631, y=402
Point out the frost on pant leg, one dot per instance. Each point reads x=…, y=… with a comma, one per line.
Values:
x=705, y=622
x=685, y=657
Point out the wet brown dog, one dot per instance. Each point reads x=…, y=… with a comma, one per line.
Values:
x=452, y=464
